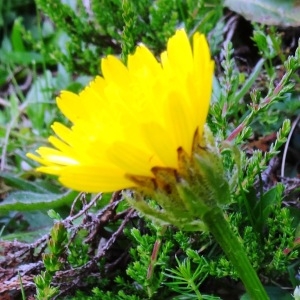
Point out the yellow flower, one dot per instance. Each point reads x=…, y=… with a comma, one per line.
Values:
x=132, y=119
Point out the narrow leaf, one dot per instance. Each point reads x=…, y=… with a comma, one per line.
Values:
x=25, y=201
x=21, y=184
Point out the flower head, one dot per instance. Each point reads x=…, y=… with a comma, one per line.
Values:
x=132, y=120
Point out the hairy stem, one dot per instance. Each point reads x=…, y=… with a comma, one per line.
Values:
x=233, y=248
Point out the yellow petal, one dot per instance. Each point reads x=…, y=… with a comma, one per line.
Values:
x=115, y=71
x=133, y=118
x=94, y=179
x=131, y=159
x=38, y=159
x=179, y=52
x=179, y=116
x=70, y=105
x=143, y=64
x=56, y=156
x=51, y=170
x=61, y=146
x=62, y=131
x=160, y=141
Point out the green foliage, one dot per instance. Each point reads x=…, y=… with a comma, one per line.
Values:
x=24, y=201
x=52, y=262
x=59, y=244
x=101, y=28
x=226, y=109
x=160, y=262
x=187, y=281
x=43, y=286
x=269, y=44
x=150, y=257
x=99, y=294
x=78, y=250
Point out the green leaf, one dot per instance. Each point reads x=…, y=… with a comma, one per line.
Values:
x=263, y=207
x=270, y=12
x=269, y=199
x=40, y=100
x=16, y=36
x=39, y=224
x=22, y=184
x=22, y=58
x=25, y=201
x=26, y=237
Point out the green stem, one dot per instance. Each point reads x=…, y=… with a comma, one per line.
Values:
x=153, y=259
x=233, y=248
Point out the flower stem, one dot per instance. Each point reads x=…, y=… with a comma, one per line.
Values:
x=233, y=248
